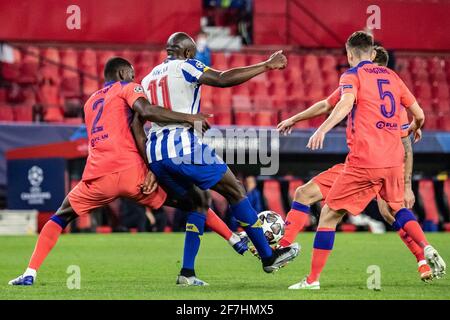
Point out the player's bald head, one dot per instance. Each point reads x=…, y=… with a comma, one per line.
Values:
x=181, y=45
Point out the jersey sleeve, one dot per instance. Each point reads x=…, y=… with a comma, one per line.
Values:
x=334, y=98
x=349, y=83
x=131, y=92
x=192, y=70
x=406, y=97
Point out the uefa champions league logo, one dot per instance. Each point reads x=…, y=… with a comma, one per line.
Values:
x=35, y=176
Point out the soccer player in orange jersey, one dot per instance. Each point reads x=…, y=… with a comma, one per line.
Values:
x=371, y=96
x=114, y=167
x=318, y=187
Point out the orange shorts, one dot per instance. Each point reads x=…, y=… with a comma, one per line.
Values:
x=326, y=179
x=95, y=193
x=356, y=187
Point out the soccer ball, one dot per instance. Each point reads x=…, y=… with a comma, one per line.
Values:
x=272, y=225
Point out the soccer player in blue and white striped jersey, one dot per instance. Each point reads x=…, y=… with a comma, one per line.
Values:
x=183, y=163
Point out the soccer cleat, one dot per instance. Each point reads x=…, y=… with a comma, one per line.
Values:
x=22, y=281
x=304, y=285
x=426, y=275
x=280, y=257
x=242, y=246
x=183, y=281
x=435, y=261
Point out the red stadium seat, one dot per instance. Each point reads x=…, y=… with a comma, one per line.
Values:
x=102, y=57
x=29, y=66
x=441, y=91
x=423, y=91
x=238, y=60
x=222, y=98
x=3, y=95
x=243, y=117
x=87, y=61
x=427, y=195
x=89, y=86
x=223, y=117
x=259, y=89
x=219, y=61
x=54, y=114
x=10, y=71
x=447, y=192
x=48, y=94
x=6, y=112
x=242, y=89
x=329, y=63
x=242, y=102
x=262, y=102
x=23, y=113
x=272, y=193
x=265, y=118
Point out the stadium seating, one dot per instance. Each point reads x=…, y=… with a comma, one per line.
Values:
x=56, y=76
x=272, y=194
x=427, y=195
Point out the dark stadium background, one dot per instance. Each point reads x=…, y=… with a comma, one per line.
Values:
x=48, y=69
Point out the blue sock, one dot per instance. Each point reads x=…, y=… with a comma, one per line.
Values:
x=324, y=239
x=248, y=219
x=195, y=226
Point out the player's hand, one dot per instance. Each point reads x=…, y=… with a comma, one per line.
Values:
x=417, y=135
x=277, y=61
x=409, y=198
x=285, y=127
x=150, y=183
x=316, y=140
x=200, y=122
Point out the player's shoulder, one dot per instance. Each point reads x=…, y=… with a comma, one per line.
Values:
x=197, y=64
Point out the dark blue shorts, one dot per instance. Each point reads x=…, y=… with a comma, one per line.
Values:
x=180, y=174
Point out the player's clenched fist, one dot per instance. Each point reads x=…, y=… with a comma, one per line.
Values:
x=316, y=140
x=277, y=61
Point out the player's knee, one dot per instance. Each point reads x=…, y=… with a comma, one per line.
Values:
x=306, y=195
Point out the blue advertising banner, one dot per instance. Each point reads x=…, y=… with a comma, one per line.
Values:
x=36, y=184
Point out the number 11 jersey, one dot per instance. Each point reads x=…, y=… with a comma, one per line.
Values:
x=174, y=85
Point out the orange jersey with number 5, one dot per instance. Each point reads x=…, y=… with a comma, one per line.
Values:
x=375, y=121
x=108, y=115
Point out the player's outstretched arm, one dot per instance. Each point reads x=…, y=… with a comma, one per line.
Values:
x=235, y=76
x=342, y=109
x=148, y=112
x=317, y=109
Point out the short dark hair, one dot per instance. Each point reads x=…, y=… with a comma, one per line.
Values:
x=360, y=41
x=382, y=57
x=113, y=65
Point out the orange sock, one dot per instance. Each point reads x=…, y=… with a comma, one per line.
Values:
x=414, y=230
x=217, y=225
x=415, y=249
x=46, y=241
x=295, y=221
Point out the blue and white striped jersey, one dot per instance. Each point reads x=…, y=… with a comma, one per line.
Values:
x=174, y=85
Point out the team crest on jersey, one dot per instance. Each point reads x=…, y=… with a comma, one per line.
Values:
x=138, y=89
x=199, y=65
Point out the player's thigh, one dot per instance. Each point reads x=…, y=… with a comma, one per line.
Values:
x=393, y=188
x=89, y=195
x=172, y=181
x=130, y=181
x=353, y=190
x=324, y=181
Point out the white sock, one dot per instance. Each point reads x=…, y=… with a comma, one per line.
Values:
x=30, y=272
x=422, y=262
x=234, y=239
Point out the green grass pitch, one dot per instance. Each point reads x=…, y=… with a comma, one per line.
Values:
x=144, y=266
